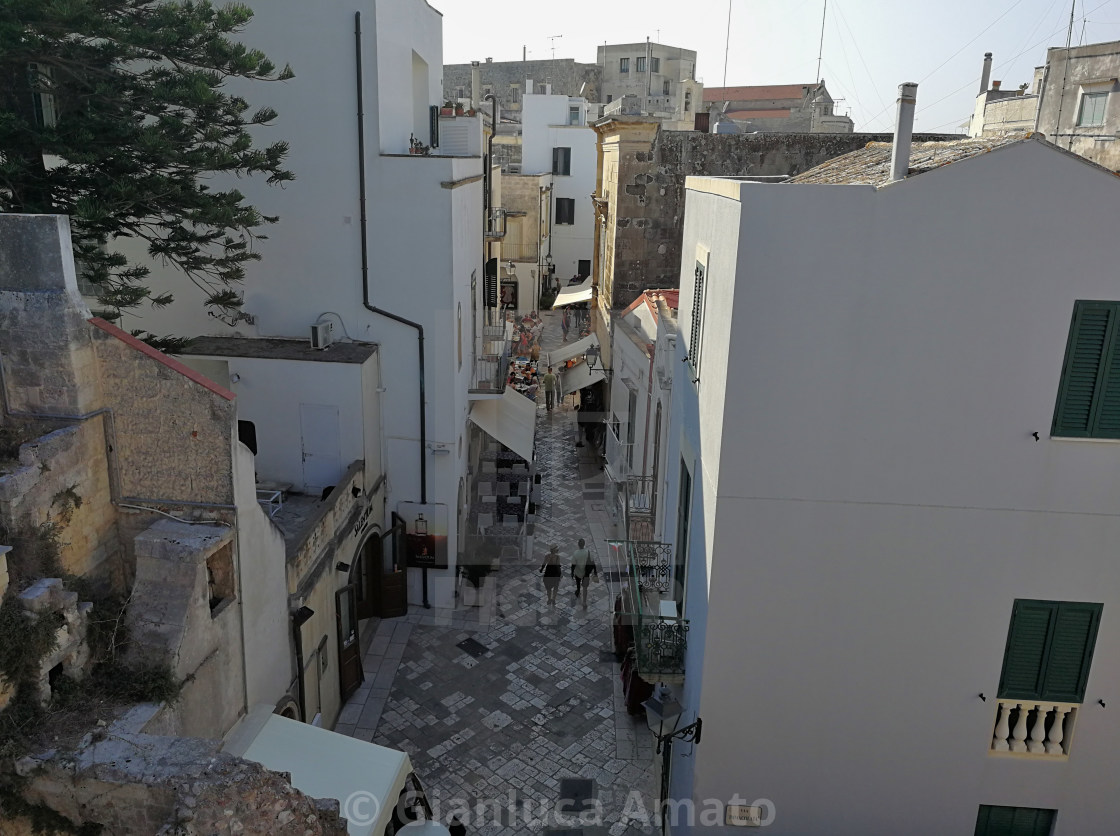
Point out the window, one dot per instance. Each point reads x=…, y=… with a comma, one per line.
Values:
x=219, y=578
x=573, y=115
x=655, y=65
x=641, y=67
x=1014, y=821
x=561, y=160
x=515, y=93
x=684, y=513
x=1049, y=650
x=247, y=435
x=43, y=103
x=687, y=100
x=696, y=328
x=565, y=211
x=624, y=65
x=665, y=89
x=1089, y=390
x=1091, y=112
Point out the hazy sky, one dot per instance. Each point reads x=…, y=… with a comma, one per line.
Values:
x=870, y=46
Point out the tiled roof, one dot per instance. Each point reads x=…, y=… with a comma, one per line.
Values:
x=773, y=113
x=759, y=92
x=871, y=165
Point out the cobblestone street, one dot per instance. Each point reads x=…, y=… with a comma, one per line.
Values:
x=507, y=702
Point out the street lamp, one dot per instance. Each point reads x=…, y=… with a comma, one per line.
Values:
x=662, y=715
x=594, y=355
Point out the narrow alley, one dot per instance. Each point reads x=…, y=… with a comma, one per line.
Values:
x=510, y=706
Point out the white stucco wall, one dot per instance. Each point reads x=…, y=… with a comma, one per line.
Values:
x=263, y=591
x=880, y=501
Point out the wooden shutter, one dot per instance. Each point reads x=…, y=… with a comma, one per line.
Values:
x=1013, y=821
x=1024, y=659
x=1089, y=394
x=1071, y=652
x=555, y=160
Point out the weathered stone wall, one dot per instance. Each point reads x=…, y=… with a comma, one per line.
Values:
x=63, y=479
x=648, y=191
x=507, y=80
x=522, y=193
x=173, y=436
x=137, y=783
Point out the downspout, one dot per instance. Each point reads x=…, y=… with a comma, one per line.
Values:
x=297, y=638
x=365, y=268
x=649, y=407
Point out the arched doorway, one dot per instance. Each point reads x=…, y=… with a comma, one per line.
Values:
x=378, y=575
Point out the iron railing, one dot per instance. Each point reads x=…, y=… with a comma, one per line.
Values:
x=660, y=638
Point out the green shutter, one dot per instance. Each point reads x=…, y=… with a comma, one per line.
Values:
x=1071, y=652
x=1087, y=375
x=1014, y=821
x=1024, y=659
x=1106, y=423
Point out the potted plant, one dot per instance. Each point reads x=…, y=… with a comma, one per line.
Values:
x=447, y=109
x=458, y=108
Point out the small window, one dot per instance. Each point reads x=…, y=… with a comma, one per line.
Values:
x=247, y=435
x=565, y=211
x=624, y=65
x=610, y=98
x=219, y=577
x=1089, y=390
x=655, y=65
x=1091, y=113
x=665, y=89
x=641, y=64
x=573, y=115
x=1014, y=821
x=561, y=160
x=687, y=100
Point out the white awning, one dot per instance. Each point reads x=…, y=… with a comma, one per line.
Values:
x=324, y=764
x=573, y=294
x=569, y=350
x=579, y=376
x=510, y=419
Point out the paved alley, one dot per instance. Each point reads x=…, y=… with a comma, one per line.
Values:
x=512, y=703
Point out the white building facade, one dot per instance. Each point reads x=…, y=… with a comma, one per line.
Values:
x=395, y=258
x=557, y=139
x=897, y=547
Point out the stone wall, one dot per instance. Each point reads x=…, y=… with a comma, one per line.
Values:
x=63, y=480
x=173, y=434
x=647, y=189
x=138, y=783
x=507, y=80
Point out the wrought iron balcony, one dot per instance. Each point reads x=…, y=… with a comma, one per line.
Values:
x=660, y=636
x=641, y=507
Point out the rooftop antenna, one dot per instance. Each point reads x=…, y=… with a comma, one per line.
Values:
x=820, y=52
x=552, y=42
x=727, y=43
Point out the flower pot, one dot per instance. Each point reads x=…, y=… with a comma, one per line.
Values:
x=446, y=111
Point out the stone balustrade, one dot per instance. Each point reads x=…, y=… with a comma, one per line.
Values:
x=1033, y=727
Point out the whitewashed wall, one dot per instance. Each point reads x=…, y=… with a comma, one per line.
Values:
x=880, y=501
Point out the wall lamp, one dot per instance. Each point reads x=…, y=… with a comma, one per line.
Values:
x=302, y=615
x=662, y=715
x=594, y=356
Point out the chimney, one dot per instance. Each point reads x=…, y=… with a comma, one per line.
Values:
x=986, y=73
x=476, y=84
x=903, y=130
x=996, y=84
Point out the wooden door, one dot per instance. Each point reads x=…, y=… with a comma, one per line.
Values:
x=391, y=599
x=349, y=650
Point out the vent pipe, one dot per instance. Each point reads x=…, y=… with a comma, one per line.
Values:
x=986, y=73
x=903, y=130
x=476, y=84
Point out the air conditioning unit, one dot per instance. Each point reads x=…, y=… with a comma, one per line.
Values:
x=321, y=335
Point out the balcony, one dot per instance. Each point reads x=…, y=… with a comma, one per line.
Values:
x=491, y=361
x=1034, y=729
x=619, y=455
x=659, y=634
x=640, y=498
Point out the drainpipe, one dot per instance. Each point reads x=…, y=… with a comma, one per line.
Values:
x=365, y=277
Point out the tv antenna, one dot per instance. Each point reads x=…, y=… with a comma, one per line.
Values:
x=552, y=43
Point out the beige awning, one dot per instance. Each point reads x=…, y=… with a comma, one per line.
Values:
x=510, y=419
x=566, y=352
x=579, y=376
x=573, y=294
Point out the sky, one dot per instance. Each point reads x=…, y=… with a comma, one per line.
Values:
x=870, y=46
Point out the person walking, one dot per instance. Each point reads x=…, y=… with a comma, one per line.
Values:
x=583, y=567
x=565, y=323
x=552, y=574
x=549, y=384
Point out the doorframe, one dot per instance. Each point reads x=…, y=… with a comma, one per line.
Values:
x=356, y=641
x=370, y=574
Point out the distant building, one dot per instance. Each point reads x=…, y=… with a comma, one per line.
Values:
x=782, y=108
x=1004, y=111
x=661, y=77
x=1078, y=108
x=510, y=81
